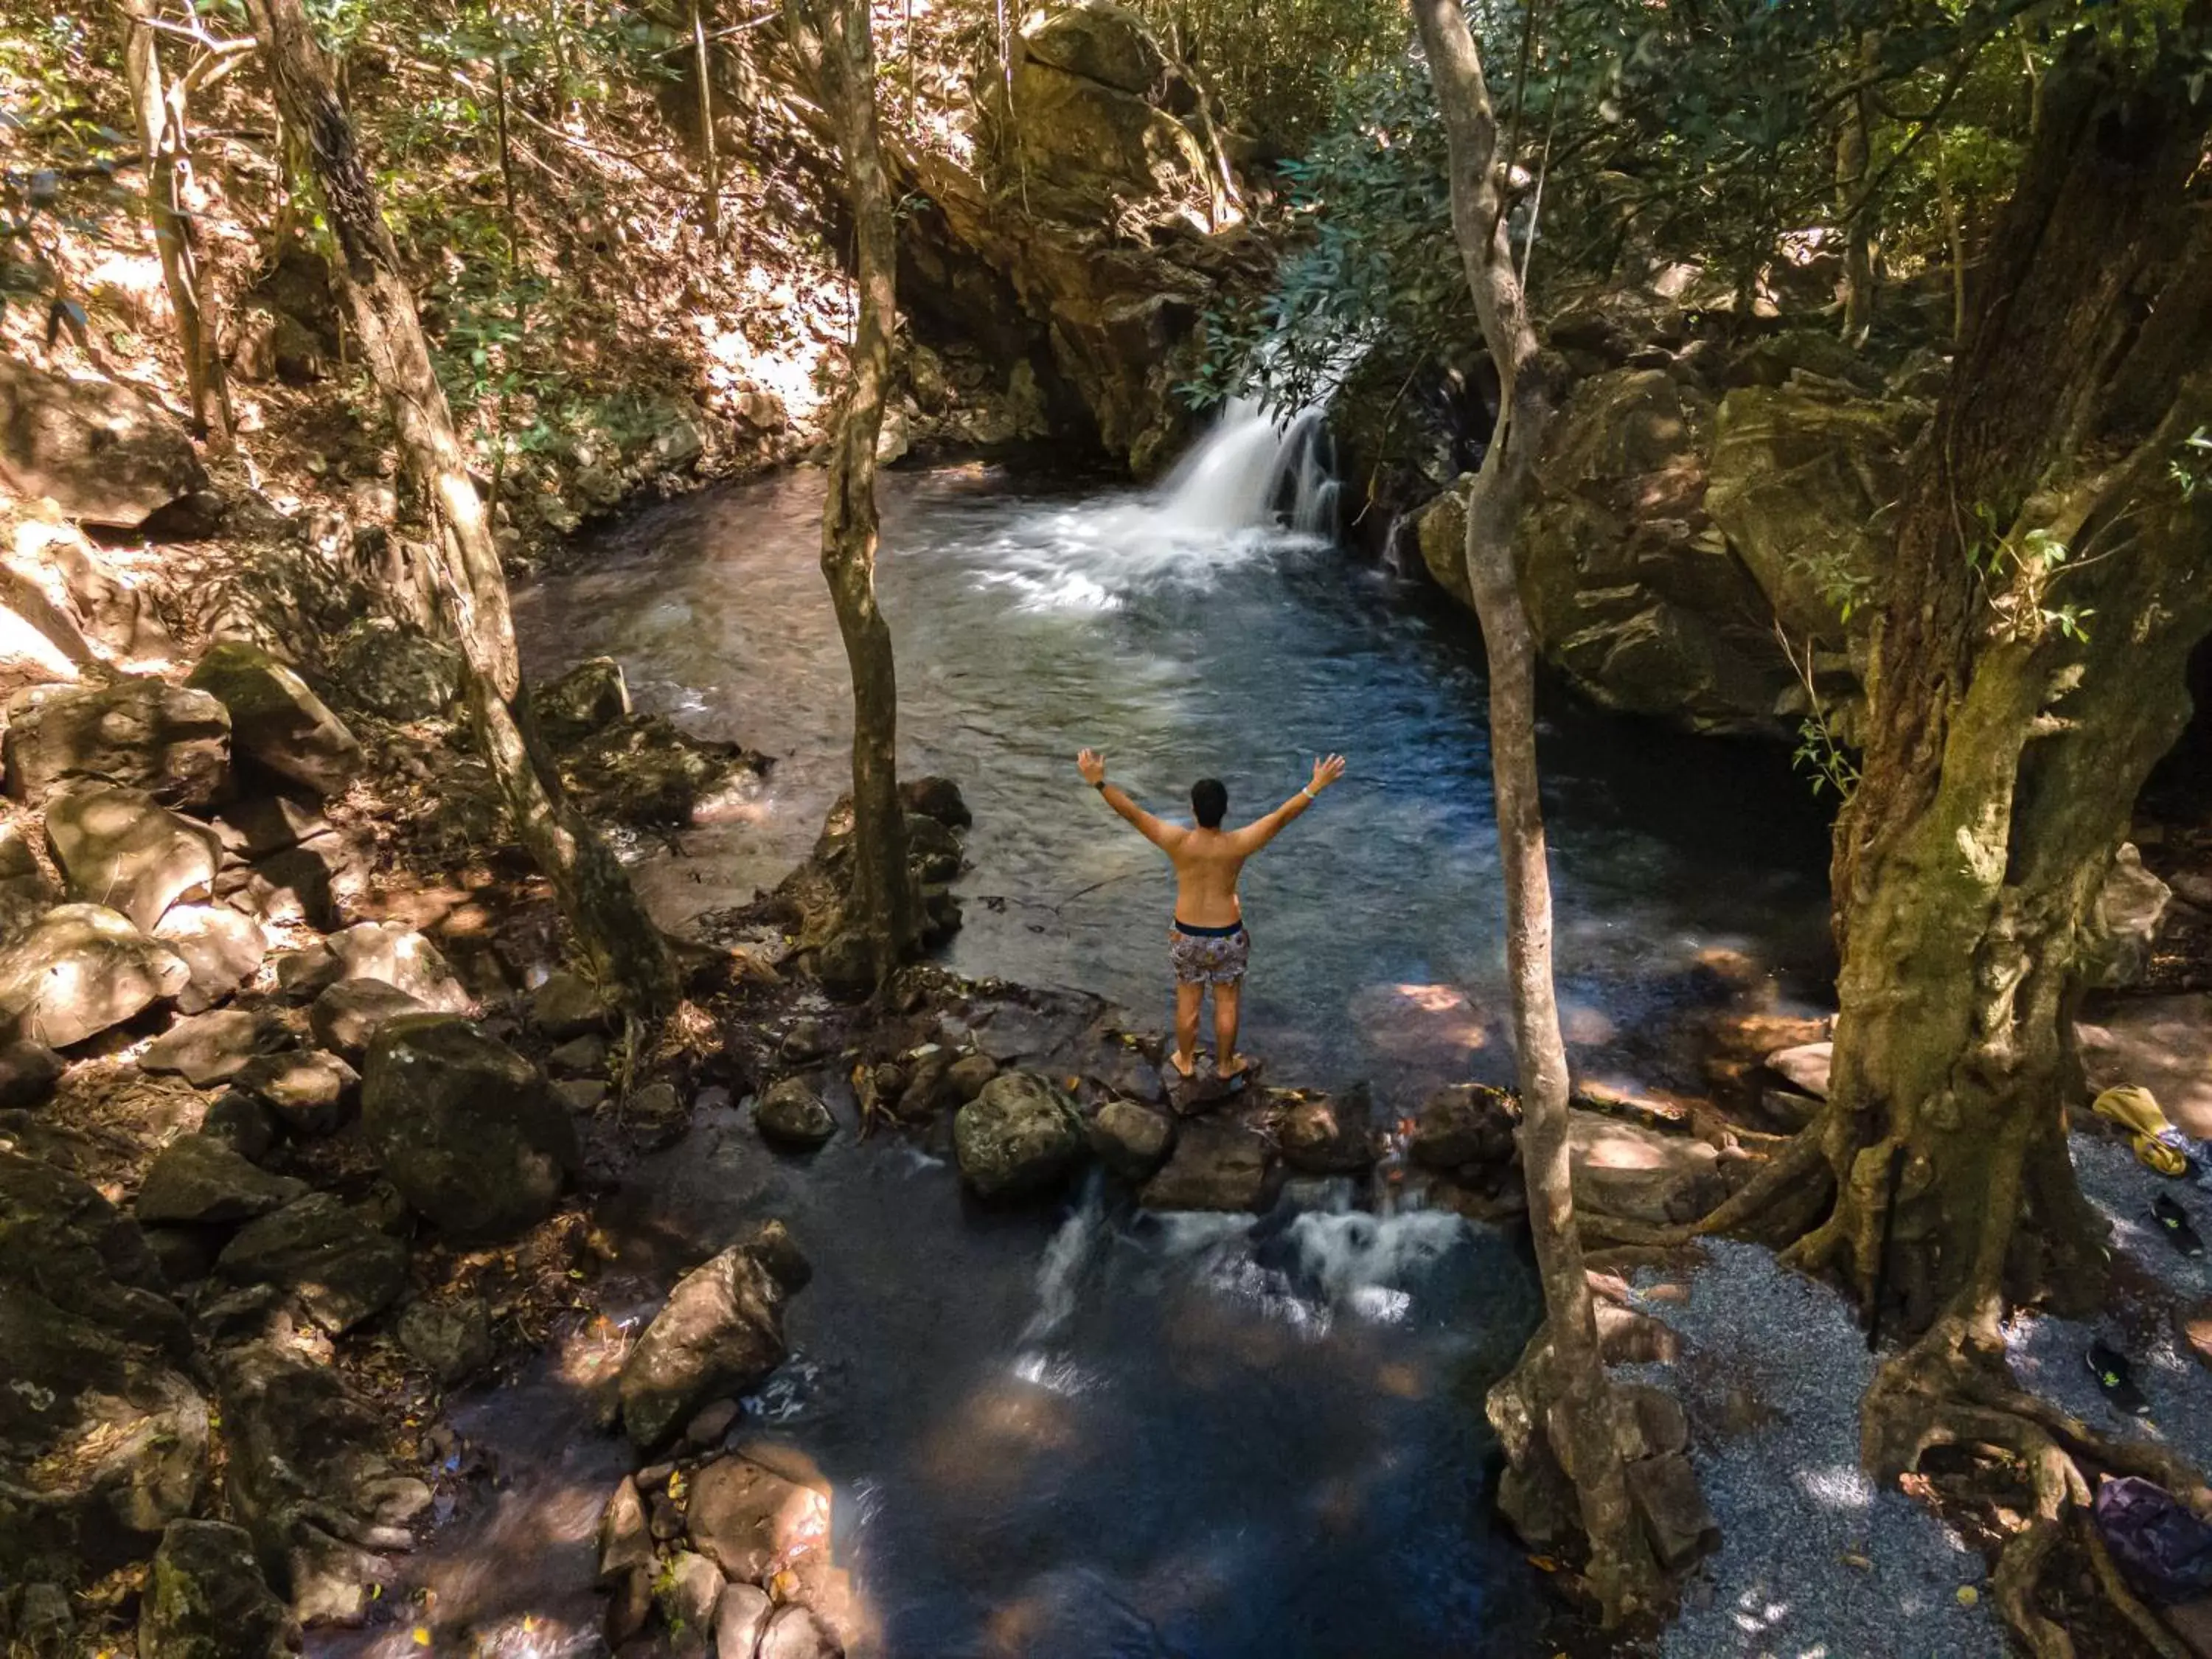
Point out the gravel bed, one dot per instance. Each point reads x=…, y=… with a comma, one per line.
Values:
x=1772, y=1369
x=2049, y=1355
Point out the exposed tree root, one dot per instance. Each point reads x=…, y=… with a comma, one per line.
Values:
x=1953, y=1386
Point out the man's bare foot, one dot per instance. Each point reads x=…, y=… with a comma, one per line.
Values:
x=1238, y=1066
x=1187, y=1068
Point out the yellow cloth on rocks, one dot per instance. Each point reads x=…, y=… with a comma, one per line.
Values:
x=2135, y=1109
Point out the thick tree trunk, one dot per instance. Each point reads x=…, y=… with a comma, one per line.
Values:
x=1583, y=1429
x=883, y=907
x=2007, y=738
x=160, y=112
x=594, y=890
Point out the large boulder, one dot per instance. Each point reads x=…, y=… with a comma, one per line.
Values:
x=79, y=969
x=1130, y=1139
x=793, y=1116
x=389, y=953
x=388, y=668
x=309, y=1091
x=2125, y=923
x=276, y=720
x=212, y=1047
x=719, y=1333
x=96, y=1395
x=1322, y=1135
x=1631, y=591
x=1020, y=1135
x=170, y=741
x=311, y=1481
x=1801, y=477
x=753, y=1521
x=346, y=1018
x=104, y=454
x=1622, y=1169
x=465, y=1127
x=1102, y=224
x=206, y=1599
x=198, y=1179
x=342, y=1269
x=591, y=695
x=1465, y=1129
x=119, y=846
x=223, y=948
x=1088, y=113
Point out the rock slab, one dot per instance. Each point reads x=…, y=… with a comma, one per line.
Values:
x=276, y=720
x=719, y=1333
x=465, y=1127
x=170, y=741
x=80, y=970
x=119, y=846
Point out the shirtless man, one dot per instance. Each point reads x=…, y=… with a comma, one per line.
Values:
x=1207, y=945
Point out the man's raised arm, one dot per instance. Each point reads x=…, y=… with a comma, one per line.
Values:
x=1092, y=765
x=1258, y=833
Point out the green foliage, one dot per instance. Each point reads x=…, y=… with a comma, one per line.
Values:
x=2017, y=567
x=1373, y=261
x=1282, y=65
x=1824, y=759
x=59, y=162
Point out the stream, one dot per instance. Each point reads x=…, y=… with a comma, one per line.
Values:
x=1092, y=1432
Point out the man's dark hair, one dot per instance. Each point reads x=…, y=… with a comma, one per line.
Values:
x=1209, y=800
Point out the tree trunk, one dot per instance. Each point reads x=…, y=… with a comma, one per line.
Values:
x=160, y=112
x=1853, y=147
x=2015, y=706
x=594, y=890
x=883, y=907
x=703, y=67
x=1584, y=1425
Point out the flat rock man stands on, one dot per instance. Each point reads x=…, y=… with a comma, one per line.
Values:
x=1207, y=944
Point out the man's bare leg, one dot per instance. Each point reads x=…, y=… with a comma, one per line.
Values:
x=1188, y=999
x=1227, y=1062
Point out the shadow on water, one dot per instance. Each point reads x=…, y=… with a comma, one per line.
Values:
x=1094, y=1432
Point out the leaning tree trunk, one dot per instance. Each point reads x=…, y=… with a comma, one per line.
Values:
x=594, y=890
x=1583, y=1429
x=883, y=907
x=160, y=112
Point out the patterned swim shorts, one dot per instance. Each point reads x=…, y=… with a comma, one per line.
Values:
x=1208, y=956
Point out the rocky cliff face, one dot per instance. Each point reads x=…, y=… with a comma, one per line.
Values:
x=1706, y=523
x=1091, y=229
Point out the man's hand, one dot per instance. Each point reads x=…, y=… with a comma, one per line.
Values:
x=1325, y=773
x=1092, y=765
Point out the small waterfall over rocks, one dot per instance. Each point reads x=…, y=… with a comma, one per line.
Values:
x=1253, y=472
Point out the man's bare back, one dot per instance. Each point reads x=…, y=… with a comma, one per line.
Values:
x=1207, y=944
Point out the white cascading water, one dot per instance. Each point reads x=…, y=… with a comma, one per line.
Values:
x=1253, y=473
x=1229, y=499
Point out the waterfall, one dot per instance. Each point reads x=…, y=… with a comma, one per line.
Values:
x=1251, y=473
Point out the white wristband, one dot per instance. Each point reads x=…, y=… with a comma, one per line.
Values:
x=1308, y=793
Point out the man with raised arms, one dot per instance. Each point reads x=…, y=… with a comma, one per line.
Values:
x=1207, y=944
